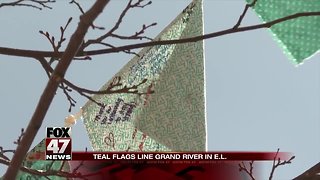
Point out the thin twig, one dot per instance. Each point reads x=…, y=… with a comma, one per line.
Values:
x=242, y=167
x=66, y=90
x=51, y=39
x=82, y=12
x=17, y=142
x=37, y=4
x=2, y=153
x=137, y=35
x=252, y=4
x=279, y=163
x=83, y=91
x=129, y=6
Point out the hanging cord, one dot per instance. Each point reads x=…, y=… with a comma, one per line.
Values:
x=72, y=119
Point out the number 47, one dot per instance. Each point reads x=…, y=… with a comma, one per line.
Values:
x=54, y=145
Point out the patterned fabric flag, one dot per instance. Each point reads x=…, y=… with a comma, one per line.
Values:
x=299, y=38
x=170, y=119
x=32, y=161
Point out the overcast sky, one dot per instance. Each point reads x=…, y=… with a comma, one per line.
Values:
x=257, y=100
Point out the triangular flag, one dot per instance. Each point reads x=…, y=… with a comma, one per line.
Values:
x=35, y=160
x=170, y=119
x=299, y=38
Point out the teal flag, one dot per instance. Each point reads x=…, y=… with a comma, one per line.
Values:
x=299, y=38
x=170, y=119
x=35, y=160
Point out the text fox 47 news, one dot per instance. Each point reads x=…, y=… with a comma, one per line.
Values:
x=58, y=143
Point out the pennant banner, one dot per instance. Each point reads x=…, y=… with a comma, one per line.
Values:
x=170, y=119
x=299, y=38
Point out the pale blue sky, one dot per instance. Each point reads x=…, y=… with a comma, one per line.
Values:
x=257, y=100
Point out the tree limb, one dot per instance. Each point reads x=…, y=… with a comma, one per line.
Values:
x=111, y=89
x=37, y=4
x=245, y=10
x=50, y=90
x=277, y=162
x=34, y=53
x=129, y=6
x=82, y=11
x=243, y=167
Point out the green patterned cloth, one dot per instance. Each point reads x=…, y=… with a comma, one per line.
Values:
x=170, y=119
x=299, y=38
x=33, y=161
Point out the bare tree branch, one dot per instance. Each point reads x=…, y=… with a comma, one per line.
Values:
x=66, y=91
x=129, y=6
x=244, y=13
x=51, y=39
x=82, y=11
x=242, y=167
x=111, y=89
x=276, y=163
x=137, y=35
x=17, y=142
x=34, y=53
x=78, y=5
x=50, y=90
x=37, y=4
x=3, y=152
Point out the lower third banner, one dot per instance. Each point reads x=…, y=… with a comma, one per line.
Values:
x=196, y=157
x=168, y=165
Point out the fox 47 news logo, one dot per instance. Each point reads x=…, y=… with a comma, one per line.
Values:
x=58, y=143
